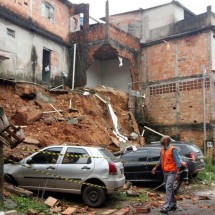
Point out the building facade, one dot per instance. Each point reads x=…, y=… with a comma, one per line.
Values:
x=177, y=69
x=34, y=40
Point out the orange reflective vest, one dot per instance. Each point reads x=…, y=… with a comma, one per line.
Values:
x=168, y=162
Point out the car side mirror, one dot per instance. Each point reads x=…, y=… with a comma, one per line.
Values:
x=29, y=161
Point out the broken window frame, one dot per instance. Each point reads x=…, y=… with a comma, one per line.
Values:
x=47, y=10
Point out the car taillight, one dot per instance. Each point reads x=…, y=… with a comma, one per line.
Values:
x=112, y=169
x=192, y=156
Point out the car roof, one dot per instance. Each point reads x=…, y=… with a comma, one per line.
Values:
x=77, y=146
x=173, y=142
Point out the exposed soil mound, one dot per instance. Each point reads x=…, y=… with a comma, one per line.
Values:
x=87, y=123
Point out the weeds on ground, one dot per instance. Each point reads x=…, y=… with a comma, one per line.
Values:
x=24, y=203
x=208, y=174
x=122, y=196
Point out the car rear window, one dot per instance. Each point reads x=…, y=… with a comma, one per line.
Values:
x=195, y=149
x=109, y=155
x=139, y=155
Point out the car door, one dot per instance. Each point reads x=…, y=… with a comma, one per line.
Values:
x=135, y=165
x=75, y=166
x=40, y=170
x=153, y=159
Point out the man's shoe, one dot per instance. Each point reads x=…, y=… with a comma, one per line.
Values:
x=173, y=208
x=164, y=211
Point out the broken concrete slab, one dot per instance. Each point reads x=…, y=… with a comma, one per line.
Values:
x=51, y=202
x=31, y=140
x=133, y=136
x=9, y=204
x=18, y=190
x=132, y=193
x=69, y=211
x=11, y=212
x=32, y=212
x=45, y=97
x=72, y=121
x=25, y=116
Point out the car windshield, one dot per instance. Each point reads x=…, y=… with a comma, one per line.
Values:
x=108, y=154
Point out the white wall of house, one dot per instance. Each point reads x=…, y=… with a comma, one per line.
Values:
x=158, y=20
x=109, y=74
x=19, y=50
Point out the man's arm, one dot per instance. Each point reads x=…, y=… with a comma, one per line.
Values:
x=177, y=162
x=157, y=165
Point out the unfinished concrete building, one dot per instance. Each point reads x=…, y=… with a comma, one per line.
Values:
x=177, y=61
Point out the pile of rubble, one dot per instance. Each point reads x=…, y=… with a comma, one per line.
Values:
x=76, y=117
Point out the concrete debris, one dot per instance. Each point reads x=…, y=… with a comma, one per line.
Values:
x=9, y=204
x=32, y=212
x=132, y=193
x=11, y=212
x=127, y=185
x=31, y=140
x=25, y=116
x=115, y=141
x=41, y=96
x=72, y=121
x=49, y=120
x=133, y=136
x=69, y=211
x=51, y=202
x=18, y=191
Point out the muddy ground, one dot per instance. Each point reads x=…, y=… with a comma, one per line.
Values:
x=89, y=123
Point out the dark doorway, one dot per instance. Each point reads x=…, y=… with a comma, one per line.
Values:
x=46, y=66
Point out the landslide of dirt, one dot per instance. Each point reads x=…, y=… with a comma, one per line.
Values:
x=91, y=125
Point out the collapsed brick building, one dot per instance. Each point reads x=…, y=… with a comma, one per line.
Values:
x=156, y=54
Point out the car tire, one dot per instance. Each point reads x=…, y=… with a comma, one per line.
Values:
x=9, y=179
x=194, y=175
x=94, y=196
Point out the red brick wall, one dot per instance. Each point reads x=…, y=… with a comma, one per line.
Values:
x=60, y=26
x=178, y=102
x=187, y=54
x=124, y=38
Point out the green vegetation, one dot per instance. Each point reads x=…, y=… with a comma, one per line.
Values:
x=122, y=196
x=25, y=203
x=208, y=174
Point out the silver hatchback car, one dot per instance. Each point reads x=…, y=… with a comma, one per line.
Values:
x=92, y=172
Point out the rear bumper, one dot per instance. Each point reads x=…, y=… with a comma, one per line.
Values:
x=114, y=185
x=195, y=167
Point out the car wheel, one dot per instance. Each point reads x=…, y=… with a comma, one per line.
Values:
x=94, y=196
x=10, y=179
x=194, y=175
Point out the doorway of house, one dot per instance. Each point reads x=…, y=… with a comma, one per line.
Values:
x=46, y=73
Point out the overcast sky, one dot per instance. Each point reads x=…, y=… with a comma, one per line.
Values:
x=97, y=7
